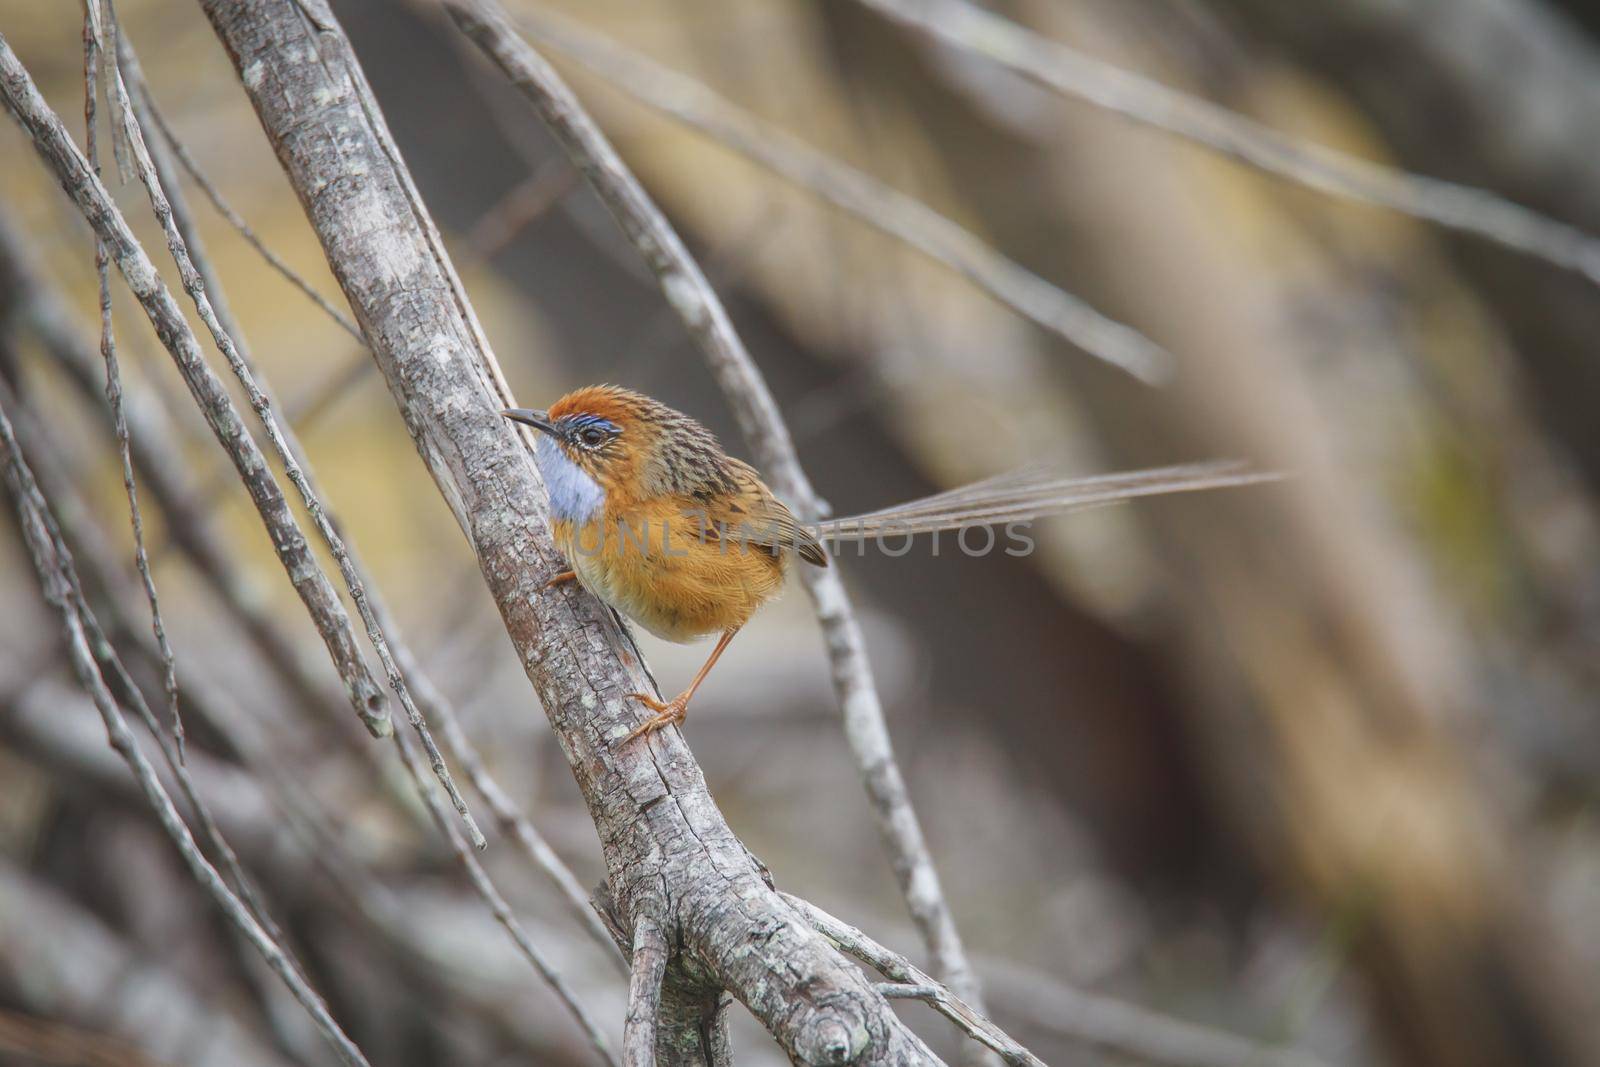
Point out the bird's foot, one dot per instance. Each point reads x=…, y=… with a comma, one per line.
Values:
x=667, y=713
x=561, y=579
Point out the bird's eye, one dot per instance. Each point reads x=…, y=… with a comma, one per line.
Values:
x=592, y=437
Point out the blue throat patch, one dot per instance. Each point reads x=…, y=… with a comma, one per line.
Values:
x=574, y=496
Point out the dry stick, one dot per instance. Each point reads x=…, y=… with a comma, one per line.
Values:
x=1071, y=73
x=913, y=983
x=159, y=462
x=498, y=906
x=513, y=823
x=92, y=35
x=291, y=457
x=432, y=702
x=381, y=629
x=196, y=175
x=664, y=840
x=648, y=968
x=61, y=590
x=1115, y=1025
x=44, y=449
x=55, y=147
x=686, y=289
x=900, y=216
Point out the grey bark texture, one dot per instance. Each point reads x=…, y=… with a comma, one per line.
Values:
x=668, y=852
x=686, y=290
x=55, y=145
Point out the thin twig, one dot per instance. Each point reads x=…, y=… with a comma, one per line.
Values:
x=55, y=147
x=190, y=167
x=900, y=216
x=94, y=31
x=687, y=291
x=503, y=914
x=1047, y=1004
x=644, y=993
x=913, y=983
x=428, y=698
x=1071, y=73
x=60, y=588
x=512, y=821
x=292, y=458
x=430, y=702
x=661, y=832
x=43, y=448
x=158, y=460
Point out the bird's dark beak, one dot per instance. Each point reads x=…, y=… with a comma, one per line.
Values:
x=530, y=417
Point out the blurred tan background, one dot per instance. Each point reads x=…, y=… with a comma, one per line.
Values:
x=1312, y=764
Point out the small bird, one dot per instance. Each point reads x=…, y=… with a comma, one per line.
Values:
x=659, y=522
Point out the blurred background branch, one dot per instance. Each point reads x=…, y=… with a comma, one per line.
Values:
x=1299, y=778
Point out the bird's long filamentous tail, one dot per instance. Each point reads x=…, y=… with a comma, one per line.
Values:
x=1027, y=494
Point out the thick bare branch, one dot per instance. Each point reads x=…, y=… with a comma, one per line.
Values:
x=692, y=297
x=664, y=840
x=174, y=220
x=1065, y=70
x=55, y=146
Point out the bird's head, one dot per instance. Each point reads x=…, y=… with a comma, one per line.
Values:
x=604, y=442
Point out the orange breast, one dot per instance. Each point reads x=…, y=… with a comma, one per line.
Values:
x=651, y=563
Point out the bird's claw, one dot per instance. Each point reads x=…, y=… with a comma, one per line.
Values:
x=667, y=713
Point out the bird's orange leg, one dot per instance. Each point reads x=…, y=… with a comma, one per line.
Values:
x=561, y=579
x=671, y=712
